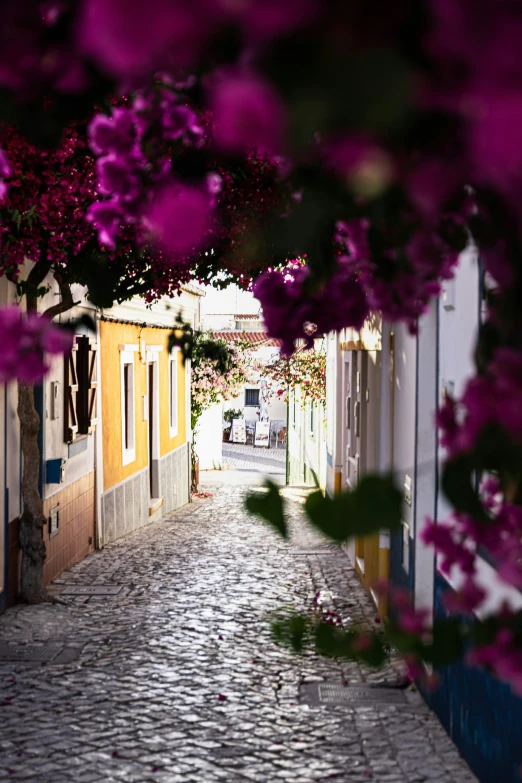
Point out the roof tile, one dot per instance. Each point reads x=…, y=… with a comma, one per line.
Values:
x=256, y=338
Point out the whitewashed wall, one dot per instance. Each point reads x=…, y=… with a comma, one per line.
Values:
x=209, y=438
x=404, y=409
x=80, y=456
x=276, y=407
x=458, y=323
x=333, y=412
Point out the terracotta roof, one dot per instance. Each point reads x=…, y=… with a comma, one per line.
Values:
x=256, y=338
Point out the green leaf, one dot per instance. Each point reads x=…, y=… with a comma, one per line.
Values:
x=375, y=654
x=328, y=640
x=269, y=505
x=457, y=485
x=334, y=642
x=291, y=632
x=375, y=504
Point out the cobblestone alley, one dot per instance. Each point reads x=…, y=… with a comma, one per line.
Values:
x=242, y=458
x=171, y=675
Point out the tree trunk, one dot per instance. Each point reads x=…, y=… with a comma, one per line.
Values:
x=32, y=589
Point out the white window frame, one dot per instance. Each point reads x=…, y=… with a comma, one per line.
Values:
x=128, y=454
x=173, y=404
x=153, y=352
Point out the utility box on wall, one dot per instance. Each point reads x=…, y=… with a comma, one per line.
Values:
x=55, y=470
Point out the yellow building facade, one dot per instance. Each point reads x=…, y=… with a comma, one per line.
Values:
x=144, y=456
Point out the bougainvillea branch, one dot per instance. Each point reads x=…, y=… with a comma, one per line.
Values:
x=305, y=369
x=380, y=155
x=219, y=370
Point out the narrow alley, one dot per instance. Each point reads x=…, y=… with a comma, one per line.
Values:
x=156, y=664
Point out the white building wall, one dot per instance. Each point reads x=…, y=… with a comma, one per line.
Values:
x=425, y=468
x=209, y=438
x=276, y=406
x=333, y=413
x=458, y=323
x=404, y=409
x=79, y=456
x=295, y=438
x=10, y=456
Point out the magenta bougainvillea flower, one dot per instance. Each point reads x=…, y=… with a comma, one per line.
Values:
x=291, y=312
x=246, y=112
x=27, y=341
x=181, y=215
x=129, y=39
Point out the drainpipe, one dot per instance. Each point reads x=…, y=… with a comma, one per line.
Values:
x=99, y=539
x=287, y=481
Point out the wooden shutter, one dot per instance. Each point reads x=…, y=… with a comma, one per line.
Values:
x=71, y=389
x=80, y=389
x=87, y=420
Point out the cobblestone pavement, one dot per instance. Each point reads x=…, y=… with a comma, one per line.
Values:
x=178, y=680
x=242, y=457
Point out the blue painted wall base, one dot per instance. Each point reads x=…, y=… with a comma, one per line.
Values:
x=481, y=715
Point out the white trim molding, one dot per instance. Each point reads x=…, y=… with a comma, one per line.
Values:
x=173, y=392
x=154, y=453
x=128, y=407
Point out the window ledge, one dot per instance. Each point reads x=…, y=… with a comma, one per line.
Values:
x=128, y=457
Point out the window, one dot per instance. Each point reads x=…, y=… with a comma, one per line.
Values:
x=80, y=389
x=251, y=398
x=128, y=386
x=128, y=407
x=173, y=393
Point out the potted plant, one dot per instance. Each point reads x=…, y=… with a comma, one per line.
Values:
x=228, y=417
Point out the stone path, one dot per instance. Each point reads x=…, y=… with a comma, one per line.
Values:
x=177, y=679
x=242, y=457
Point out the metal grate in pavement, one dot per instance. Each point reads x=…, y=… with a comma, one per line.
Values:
x=325, y=550
x=91, y=589
x=29, y=653
x=335, y=694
